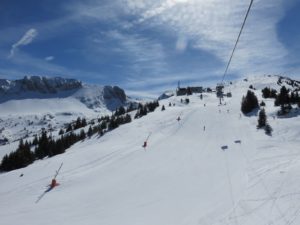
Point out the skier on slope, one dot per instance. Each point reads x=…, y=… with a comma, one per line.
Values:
x=145, y=144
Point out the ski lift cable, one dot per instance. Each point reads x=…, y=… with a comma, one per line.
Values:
x=237, y=40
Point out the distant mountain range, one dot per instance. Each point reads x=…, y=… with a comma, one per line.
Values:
x=39, y=87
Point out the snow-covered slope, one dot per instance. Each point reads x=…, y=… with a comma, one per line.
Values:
x=27, y=102
x=211, y=167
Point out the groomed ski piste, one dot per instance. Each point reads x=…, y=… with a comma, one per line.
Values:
x=228, y=173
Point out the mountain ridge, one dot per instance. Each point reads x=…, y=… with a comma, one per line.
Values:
x=42, y=87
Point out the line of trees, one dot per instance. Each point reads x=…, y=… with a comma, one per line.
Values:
x=47, y=146
x=285, y=98
x=143, y=110
x=39, y=148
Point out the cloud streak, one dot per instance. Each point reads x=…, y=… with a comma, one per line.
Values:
x=49, y=58
x=213, y=25
x=148, y=44
x=209, y=27
x=27, y=38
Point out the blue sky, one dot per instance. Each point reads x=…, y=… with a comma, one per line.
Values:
x=147, y=46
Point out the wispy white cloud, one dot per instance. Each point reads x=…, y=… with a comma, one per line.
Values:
x=141, y=34
x=210, y=26
x=143, y=53
x=49, y=58
x=213, y=25
x=26, y=39
x=25, y=64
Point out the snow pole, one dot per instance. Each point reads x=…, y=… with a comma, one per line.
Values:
x=57, y=171
x=145, y=142
x=179, y=117
x=50, y=186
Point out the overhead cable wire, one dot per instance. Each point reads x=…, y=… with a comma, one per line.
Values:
x=237, y=40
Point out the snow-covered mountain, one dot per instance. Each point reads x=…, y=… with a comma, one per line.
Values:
x=210, y=167
x=35, y=102
x=36, y=87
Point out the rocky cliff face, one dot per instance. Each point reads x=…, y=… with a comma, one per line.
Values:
x=36, y=87
x=110, y=92
x=42, y=85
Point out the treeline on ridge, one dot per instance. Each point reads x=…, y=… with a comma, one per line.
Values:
x=47, y=146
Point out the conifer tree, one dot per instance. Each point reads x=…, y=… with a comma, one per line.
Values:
x=61, y=132
x=83, y=122
x=130, y=108
x=268, y=129
x=283, y=97
x=249, y=102
x=268, y=93
x=69, y=128
x=262, y=119
x=78, y=123
x=103, y=125
x=262, y=103
x=90, y=132
x=42, y=149
x=82, y=134
x=127, y=118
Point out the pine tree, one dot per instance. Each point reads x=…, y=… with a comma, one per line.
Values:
x=90, y=132
x=266, y=92
x=83, y=122
x=283, y=97
x=249, y=102
x=120, y=111
x=78, y=123
x=82, y=134
x=127, y=118
x=113, y=123
x=262, y=119
x=69, y=128
x=273, y=93
x=268, y=129
x=61, y=132
x=100, y=132
x=130, y=108
x=5, y=164
x=42, y=149
x=35, y=141
x=163, y=108
x=103, y=125
x=28, y=155
x=262, y=103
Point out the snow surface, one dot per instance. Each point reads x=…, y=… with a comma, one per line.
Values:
x=229, y=173
x=50, y=103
